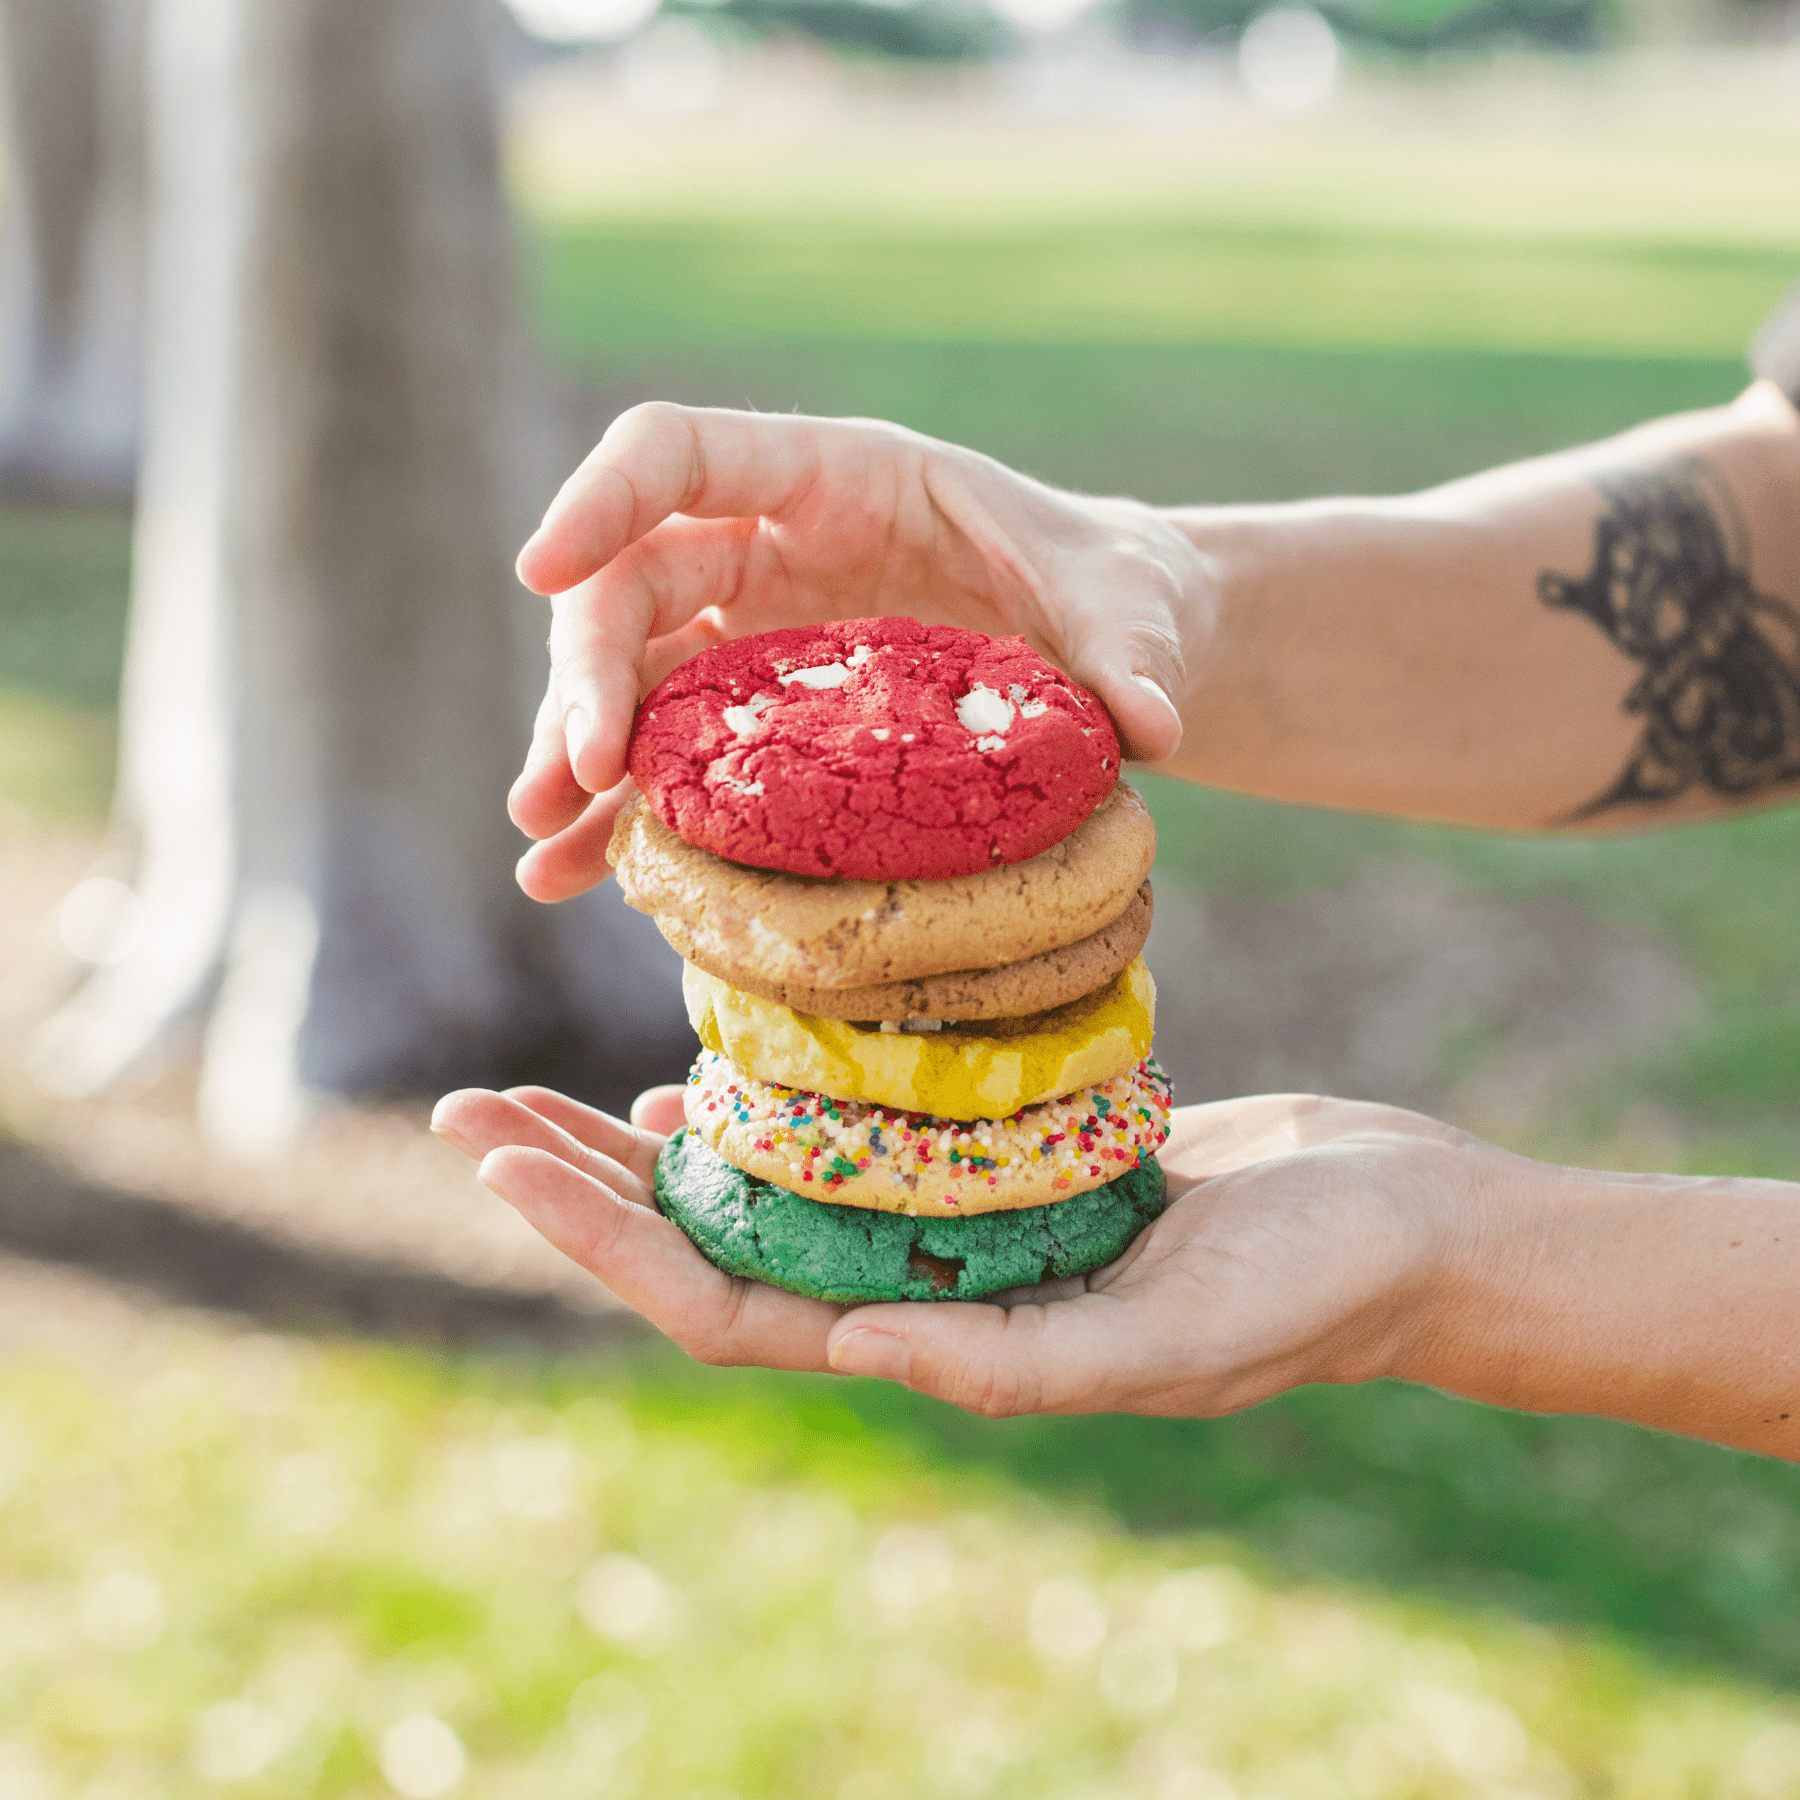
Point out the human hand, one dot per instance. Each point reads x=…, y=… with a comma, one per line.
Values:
x=685, y=527
x=1305, y=1240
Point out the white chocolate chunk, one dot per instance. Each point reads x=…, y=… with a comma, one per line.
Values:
x=745, y=719
x=826, y=675
x=723, y=780
x=984, y=712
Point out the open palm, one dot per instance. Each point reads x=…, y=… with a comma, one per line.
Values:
x=1297, y=1234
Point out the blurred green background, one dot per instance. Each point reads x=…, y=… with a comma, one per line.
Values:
x=632, y=1576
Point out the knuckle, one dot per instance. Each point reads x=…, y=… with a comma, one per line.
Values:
x=888, y=435
x=649, y=418
x=716, y=1341
x=660, y=433
x=992, y=1390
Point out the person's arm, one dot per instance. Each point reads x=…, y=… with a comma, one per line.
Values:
x=1608, y=638
x=1602, y=639
x=1664, y=1299
x=1307, y=1240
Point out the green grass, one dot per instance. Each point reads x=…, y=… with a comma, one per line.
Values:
x=64, y=573
x=56, y=759
x=1569, y=154
x=248, y=1567
x=1687, y=1551
x=1138, y=284
x=64, y=578
x=1188, y=423
x=337, y=1539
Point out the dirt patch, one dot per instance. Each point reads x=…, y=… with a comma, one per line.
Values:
x=1402, y=987
x=383, y=1225
x=1399, y=987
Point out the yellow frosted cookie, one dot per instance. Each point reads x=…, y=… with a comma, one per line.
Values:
x=985, y=1070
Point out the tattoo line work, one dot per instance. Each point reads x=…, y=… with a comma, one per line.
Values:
x=1720, y=689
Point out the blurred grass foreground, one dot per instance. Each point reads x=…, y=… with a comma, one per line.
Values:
x=276, y=1571
x=278, y=1567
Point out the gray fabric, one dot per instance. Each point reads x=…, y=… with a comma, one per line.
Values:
x=1775, y=351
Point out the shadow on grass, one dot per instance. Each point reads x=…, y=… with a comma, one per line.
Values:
x=159, y=1249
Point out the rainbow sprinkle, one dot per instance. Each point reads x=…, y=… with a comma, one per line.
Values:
x=858, y=1154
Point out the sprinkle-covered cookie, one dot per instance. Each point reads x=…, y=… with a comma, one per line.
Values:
x=873, y=750
x=845, y=1253
x=854, y=1154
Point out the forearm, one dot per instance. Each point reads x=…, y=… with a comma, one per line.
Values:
x=1471, y=654
x=1667, y=1301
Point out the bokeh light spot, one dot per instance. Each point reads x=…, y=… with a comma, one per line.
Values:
x=122, y=1610
x=1066, y=1620
x=421, y=1756
x=235, y=1741
x=620, y=1598
x=581, y=21
x=1288, y=59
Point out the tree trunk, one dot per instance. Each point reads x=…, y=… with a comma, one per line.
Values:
x=329, y=667
x=70, y=377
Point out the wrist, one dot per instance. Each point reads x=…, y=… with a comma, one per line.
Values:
x=1490, y=1234
x=1255, y=571
x=1454, y=1205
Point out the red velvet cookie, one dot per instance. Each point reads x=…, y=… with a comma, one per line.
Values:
x=874, y=749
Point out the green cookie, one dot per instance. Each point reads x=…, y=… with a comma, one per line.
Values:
x=849, y=1253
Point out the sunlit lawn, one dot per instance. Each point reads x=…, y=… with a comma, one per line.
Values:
x=241, y=1571
x=279, y=1571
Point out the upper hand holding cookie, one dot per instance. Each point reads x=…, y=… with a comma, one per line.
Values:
x=686, y=526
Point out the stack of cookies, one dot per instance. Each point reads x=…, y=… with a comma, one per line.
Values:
x=911, y=893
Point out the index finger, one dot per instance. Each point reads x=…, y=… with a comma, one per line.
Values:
x=659, y=459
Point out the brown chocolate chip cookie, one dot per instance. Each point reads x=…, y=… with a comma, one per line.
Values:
x=1035, y=985
x=792, y=929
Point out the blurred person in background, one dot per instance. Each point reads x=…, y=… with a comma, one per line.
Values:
x=1607, y=639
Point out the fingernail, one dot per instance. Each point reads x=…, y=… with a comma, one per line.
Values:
x=1155, y=687
x=454, y=1139
x=873, y=1353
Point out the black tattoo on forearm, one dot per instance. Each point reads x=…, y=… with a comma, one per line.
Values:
x=1720, y=689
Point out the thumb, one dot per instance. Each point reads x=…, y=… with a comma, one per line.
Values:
x=1070, y=1356
x=1135, y=666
